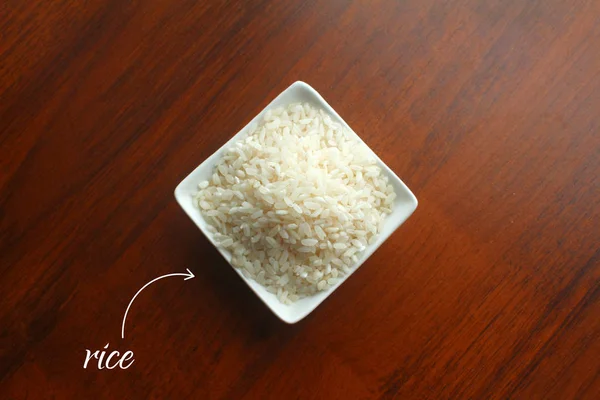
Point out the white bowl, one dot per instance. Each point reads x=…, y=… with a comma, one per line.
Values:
x=404, y=205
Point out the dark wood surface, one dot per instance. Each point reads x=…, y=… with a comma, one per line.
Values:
x=488, y=110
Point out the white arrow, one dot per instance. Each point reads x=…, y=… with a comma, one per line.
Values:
x=187, y=275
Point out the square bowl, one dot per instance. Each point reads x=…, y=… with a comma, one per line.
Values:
x=404, y=204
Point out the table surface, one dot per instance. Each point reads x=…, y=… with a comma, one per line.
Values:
x=488, y=110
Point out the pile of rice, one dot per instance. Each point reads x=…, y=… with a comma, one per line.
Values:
x=296, y=201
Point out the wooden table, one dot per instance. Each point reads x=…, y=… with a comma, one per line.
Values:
x=488, y=110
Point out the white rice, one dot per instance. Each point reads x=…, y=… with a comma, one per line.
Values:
x=296, y=202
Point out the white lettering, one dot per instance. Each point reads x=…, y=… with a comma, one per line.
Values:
x=88, y=356
x=114, y=353
x=120, y=361
x=126, y=357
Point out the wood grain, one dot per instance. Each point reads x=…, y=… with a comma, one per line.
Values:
x=488, y=110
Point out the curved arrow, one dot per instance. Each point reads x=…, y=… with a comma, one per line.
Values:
x=188, y=275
